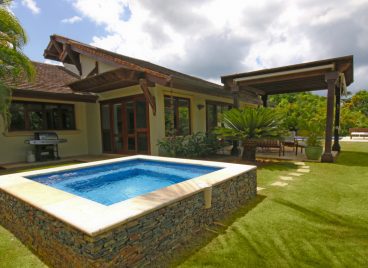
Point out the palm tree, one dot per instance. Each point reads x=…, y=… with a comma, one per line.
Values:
x=249, y=125
x=13, y=63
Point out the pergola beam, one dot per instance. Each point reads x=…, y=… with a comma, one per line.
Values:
x=286, y=75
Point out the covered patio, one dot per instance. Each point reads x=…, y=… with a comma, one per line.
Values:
x=333, y=75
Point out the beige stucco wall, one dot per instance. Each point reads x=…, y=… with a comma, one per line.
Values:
x=13, y=149
x=157, y=122
x=88, y=64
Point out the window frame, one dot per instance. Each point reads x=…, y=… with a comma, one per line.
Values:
x=216, y=104
x=27, y=110
x=176, y=114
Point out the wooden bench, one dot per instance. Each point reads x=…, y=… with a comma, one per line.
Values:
x=271, y=143
x=358, y=132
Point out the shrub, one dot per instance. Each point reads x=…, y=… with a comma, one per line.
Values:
x=196, y=145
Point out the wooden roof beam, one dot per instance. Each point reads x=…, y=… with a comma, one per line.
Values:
x=283, y=76
x=147, y=94
x=67, y=52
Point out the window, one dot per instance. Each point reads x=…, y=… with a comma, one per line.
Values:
x=41, y=116
x=214, y=111
x=177, y=116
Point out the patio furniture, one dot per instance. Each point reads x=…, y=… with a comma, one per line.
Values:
x=300, y=143
x=358, y=132
x=289, y=141
x=271, y=143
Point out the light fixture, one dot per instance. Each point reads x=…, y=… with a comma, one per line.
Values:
x=200, y=106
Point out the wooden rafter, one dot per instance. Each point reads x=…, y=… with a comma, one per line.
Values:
x=151, y=100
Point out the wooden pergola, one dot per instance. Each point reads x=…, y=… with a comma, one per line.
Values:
x=329, y=74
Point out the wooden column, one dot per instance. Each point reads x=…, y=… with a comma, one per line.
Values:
x=336, y=145
x=264, y=100
x=330, y=78
x=235, y=91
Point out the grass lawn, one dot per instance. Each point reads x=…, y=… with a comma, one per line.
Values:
x=319, y=219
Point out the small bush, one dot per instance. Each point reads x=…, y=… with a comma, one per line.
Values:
x=196, y=145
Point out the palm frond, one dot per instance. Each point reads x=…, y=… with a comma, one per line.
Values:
x=250, y=123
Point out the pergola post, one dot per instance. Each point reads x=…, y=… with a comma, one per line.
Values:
x=330, y=78
x=336, y=145
x=264, y=100
x=235, y=91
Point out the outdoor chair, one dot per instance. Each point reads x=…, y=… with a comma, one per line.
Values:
x=289, y=141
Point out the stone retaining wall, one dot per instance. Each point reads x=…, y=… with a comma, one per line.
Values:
x=150, y=240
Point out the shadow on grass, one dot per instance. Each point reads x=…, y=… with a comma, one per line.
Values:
x=326, y=217
x=351, y=158
x=310, y=240
x=279, y=166
x=204, y=238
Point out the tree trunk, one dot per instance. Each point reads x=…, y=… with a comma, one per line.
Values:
x=249, y=151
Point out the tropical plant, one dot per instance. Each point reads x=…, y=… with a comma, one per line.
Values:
x=13, y=63
x=196, y=145
x=249, y=125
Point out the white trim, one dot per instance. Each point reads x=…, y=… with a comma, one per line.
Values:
x=322, y=67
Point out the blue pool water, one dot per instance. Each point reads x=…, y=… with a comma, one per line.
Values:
x=111, y=183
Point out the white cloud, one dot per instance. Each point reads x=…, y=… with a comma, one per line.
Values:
x=211, y=38
x=31, y=5
x=72, y=20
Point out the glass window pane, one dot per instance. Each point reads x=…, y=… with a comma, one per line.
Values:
x=211, y=116
x=118, y=127
x=35, y=116
x=105, y=114
x=17, y=116
x=52, y=116
x=183, y=117
x=131, y=143
x=141, y=114
x=106, y=135
x=130, y=117
x=67, y=117
x=169, y=115
x=142, y=143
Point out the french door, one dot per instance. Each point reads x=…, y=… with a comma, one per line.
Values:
x=125, y=126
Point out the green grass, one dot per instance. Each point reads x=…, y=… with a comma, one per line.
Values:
x=319, y=220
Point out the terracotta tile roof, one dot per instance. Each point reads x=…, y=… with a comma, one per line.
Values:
x=50, y=80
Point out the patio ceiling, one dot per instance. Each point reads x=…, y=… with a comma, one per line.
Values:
x=293, y=78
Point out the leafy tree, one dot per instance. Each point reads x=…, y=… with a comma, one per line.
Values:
x=248, y=125
x=13, y=63
x=297, y=109
x=359, y=102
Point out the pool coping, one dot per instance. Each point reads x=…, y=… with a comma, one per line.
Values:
x=93, y=218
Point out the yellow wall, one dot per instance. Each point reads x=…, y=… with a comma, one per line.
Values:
x=13, y=148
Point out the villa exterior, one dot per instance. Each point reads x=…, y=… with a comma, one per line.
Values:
x=103, y=102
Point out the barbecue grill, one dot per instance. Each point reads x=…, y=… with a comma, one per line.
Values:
x=47, y=145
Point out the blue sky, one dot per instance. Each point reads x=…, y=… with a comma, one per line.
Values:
x=39, y=26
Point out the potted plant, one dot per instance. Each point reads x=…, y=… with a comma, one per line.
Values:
x=249, y=125
x=313, y=149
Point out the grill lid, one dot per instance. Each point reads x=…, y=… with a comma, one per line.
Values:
x=45, y=136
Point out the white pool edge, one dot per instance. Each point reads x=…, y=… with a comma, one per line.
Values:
x=93, y=218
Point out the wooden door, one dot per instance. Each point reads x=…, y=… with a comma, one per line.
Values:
x=125, y=126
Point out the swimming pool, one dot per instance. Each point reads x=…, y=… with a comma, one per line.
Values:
x=111, y=183
x=125, y=212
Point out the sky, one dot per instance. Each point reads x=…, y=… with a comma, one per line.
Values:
x=207, y=38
